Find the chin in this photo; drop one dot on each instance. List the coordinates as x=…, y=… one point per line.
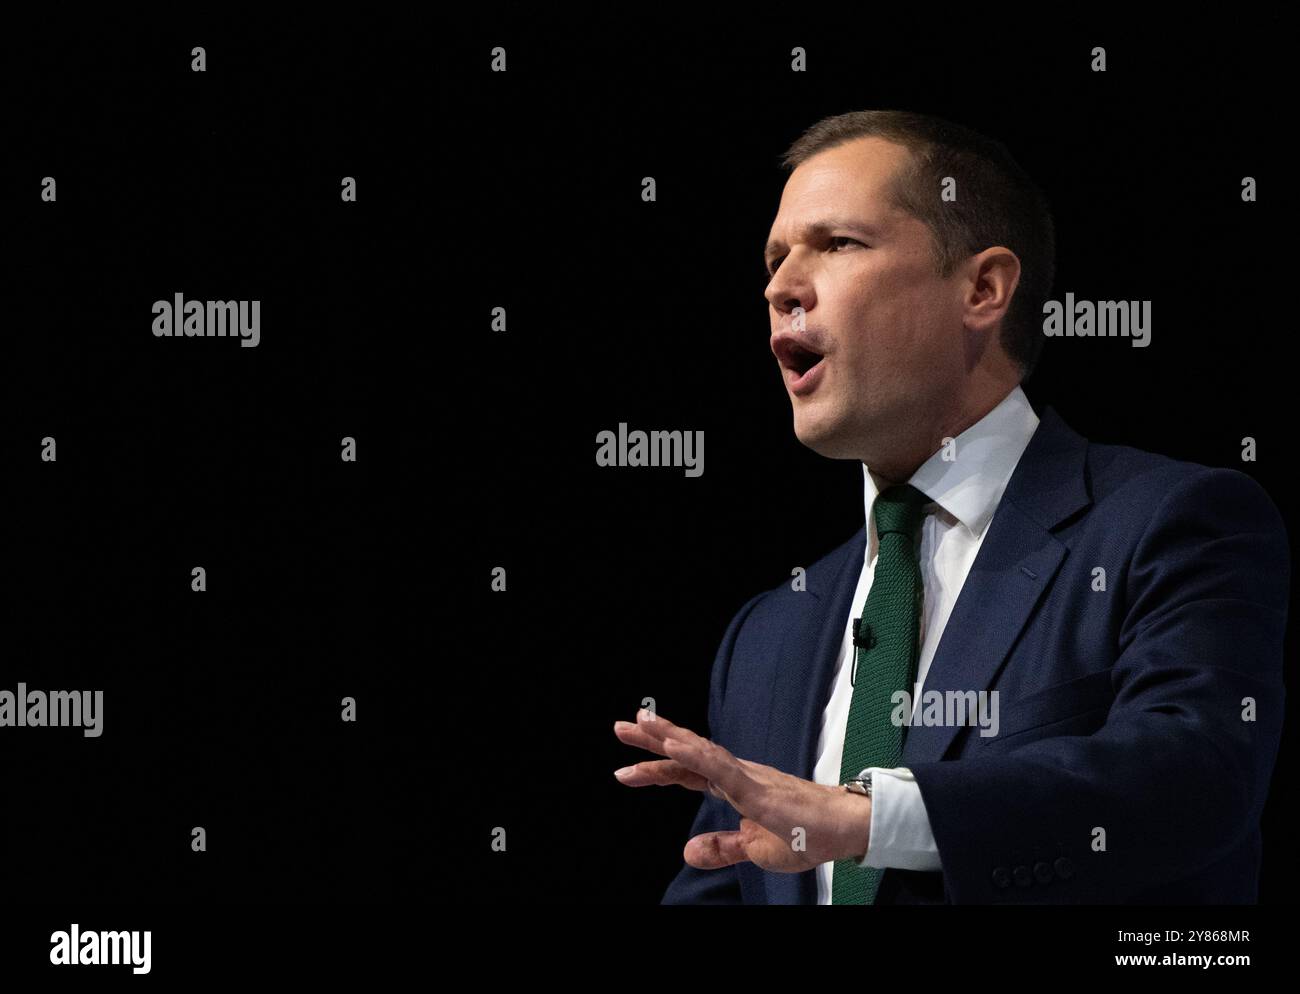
x=822, y=438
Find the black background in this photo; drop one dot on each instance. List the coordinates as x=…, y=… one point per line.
x=476, y=449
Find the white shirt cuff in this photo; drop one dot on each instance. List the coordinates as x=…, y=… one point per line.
x=900, y=826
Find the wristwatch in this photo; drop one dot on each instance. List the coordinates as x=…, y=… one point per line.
x=858, y=785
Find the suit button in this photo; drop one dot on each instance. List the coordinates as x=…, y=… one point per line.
x=1064, y=868
x=1042, y=873
x=1002, y=877
x=1023, y=877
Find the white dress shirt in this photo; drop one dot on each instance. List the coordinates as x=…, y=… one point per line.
x=964, y=491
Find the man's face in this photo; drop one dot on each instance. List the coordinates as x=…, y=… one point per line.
x=888, y=327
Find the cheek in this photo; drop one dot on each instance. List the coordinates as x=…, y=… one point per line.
x=913, y=312
x=884, y=298
x=878, y=323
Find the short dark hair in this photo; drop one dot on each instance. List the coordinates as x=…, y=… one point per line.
x=997, y=204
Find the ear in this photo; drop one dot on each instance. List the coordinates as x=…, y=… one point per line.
x=992, y=278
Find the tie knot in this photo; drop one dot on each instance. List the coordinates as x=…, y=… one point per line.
x=898, y=509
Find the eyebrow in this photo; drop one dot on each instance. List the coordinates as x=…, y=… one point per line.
x=815, y=228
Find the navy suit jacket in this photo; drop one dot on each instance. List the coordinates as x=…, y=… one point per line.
x=1126, y=769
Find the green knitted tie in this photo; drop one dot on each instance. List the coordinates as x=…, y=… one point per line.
x=884, y=663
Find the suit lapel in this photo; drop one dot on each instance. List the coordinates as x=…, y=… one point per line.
x=1015, y=565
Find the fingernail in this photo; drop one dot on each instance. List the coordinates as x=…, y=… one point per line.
x=624, y=772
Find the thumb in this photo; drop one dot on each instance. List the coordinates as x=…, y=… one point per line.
x=714, y=850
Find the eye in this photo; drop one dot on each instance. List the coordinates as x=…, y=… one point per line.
x=776, y=263
x=845, y=238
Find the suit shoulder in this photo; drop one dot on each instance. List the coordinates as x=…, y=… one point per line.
x=1139, y=493
x=1132, y=473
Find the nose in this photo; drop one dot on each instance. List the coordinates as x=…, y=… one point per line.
x=789, y=289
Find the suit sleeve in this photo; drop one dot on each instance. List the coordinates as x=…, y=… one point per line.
x=1178, y=774
x=721, y=886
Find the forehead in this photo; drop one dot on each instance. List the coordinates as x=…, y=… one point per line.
x=849, y=181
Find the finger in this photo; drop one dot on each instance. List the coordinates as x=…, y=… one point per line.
x=659, y=728
x=633, y=735
x=713, y=763
x=661, y=772
x=714, y=850
x=710, y=760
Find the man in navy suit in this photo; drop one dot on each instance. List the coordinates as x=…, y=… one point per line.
x=1118, y=616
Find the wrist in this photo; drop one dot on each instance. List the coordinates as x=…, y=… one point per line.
x=858, y=821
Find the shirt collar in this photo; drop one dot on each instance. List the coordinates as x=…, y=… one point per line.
x=969, y=486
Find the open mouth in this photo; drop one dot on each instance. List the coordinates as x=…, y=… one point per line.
x=801, y=360
x=801, y=365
